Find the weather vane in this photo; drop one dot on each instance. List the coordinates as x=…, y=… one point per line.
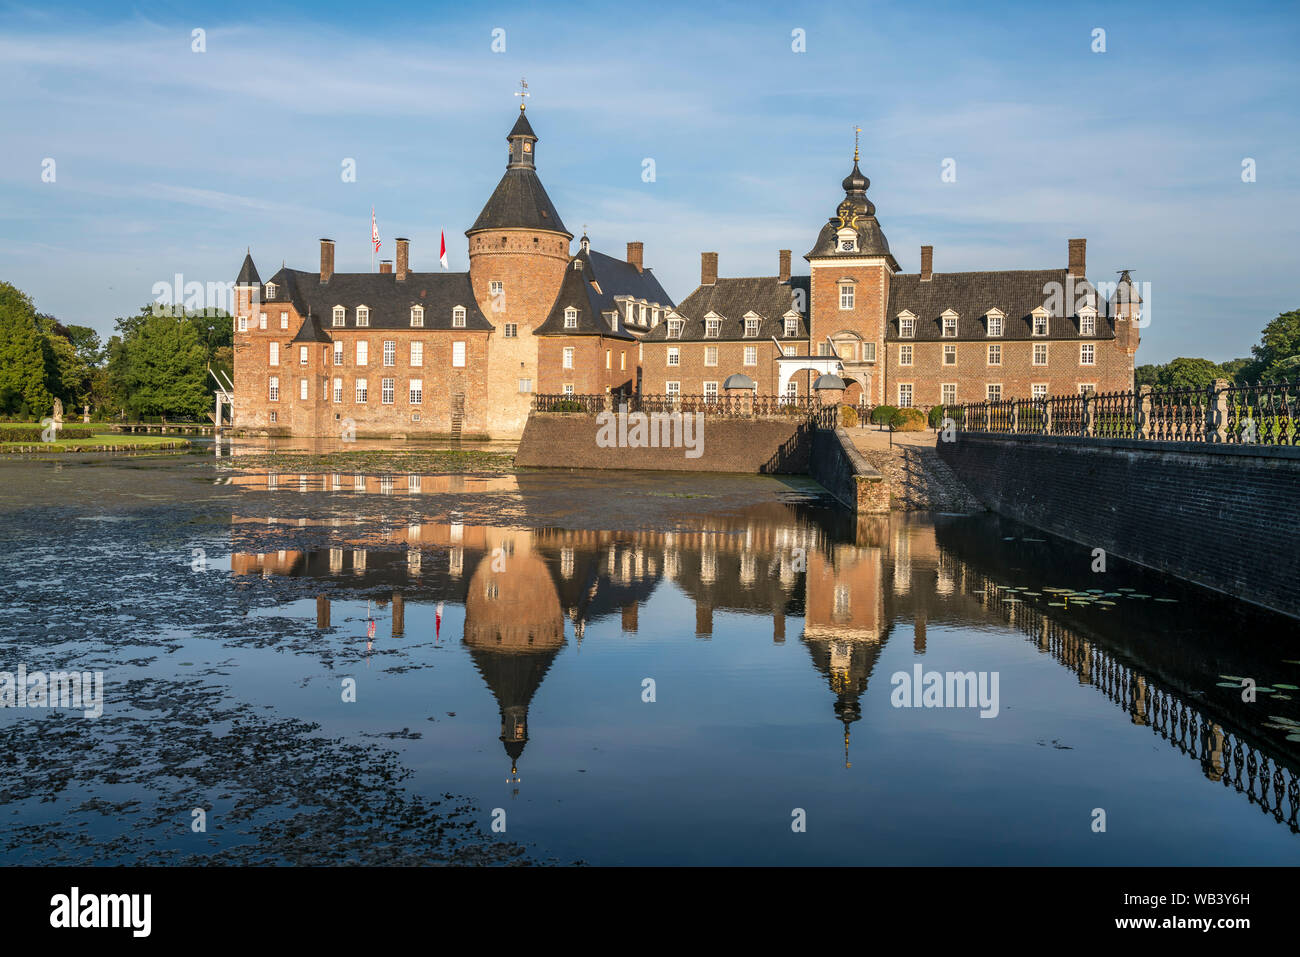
x=522, y=92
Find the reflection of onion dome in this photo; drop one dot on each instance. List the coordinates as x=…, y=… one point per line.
x=847, y=665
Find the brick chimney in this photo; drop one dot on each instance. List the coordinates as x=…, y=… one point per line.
x=708, y=269
x=385, y=265
x=403, y=258
x=326, y=260
x=927, y=263
x=1078, y=265
x=785, y=265
x=634, y=253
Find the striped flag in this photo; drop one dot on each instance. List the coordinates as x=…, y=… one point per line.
x=374, y=229
x=442, y=254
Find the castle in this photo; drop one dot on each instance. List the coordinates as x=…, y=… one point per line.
x=406, y=353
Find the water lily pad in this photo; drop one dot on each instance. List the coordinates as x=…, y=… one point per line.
x=1096, y=591
x=1172, y=601
x=1293, y=737
x=1226, y=684
x=1126, y=589
x=1278, y=684
x=1236, y=678
x=1281, y=697
x=1056, y=604
x=1104, y=602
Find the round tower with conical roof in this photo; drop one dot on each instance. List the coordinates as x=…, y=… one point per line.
x=518, y=250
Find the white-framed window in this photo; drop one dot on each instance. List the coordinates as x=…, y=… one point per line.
x=570, y=318
x=363, y=316
x=417, y=353
x=643, y=315
x=510, y=330
x=568, y=388
x=362, y=390
x=995, y=354
x=302, y=389
x=270, y=290
x=674, y=328
x=338, y=390
x=340, y=316
x=751, y=326
x=417, y=316
x=710, y=355
x=284, y=321
x=1040, y=354
x=1040, y=324
x=458, y=354
x=622, y=362
x=904, y=395
x=950, y=355
x=906, y=327
x=949, y=327
x=458, y=316
x=710, y=392
x=1087, y=325
x=674, y=356
x=905, y=355
x=791, y=327
x=416, y=391
x=390, y=352
x=363, y=352
x=823, y=348
x=790, y=350
x=338, y=353
x=273, y=389
x=654, y=318
x=993, y=391
x=275, y=354
x=609, y=358
x=1038, y=390
x=273, y=420
x=712, y=327
x=751, y=355
x=525, y=385
x=243, y=323
x=868, y=352
x=846, y=295
x=1087, y=388
x=386, y=391
x=261, y=320
x=995, y=324
x=568, y=358
x=497, y=293
x=672, y=388
x=948, y=393
x=1087, y=354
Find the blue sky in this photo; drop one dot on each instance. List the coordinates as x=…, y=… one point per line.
x=169, y=161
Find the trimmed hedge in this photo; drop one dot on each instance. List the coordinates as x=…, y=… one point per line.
x=33, y=433
x=937, y=413
x=848, y=416
x=882, y=414
x=907, y=420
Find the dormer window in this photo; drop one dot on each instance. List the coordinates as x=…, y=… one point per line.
x=1087, y=322
x=571, y=318
x=270, y=290
x=1040, y=322
x=994, y=317
x=340, y=315
x=791, y=327
x=654, y=318
x=643, y=315
x=906, y=325
x=949, y=324
x=577, y=265
x=458, y=317
x=363, y=316
x=417, y=316
x=674, y=328
x=712, y=326
x=751, y=326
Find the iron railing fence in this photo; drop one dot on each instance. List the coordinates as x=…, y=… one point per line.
x=1266, y=413
x=738, y=406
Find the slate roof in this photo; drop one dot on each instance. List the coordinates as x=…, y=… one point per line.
x=618, y=277
x=521, y=128
x=767, y=296
x=390, y=301
x=310, y=331
x=519, y=201
x=248, y=273
x=595, y=310
x=972, y=294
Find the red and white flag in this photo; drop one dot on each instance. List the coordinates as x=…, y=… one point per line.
x=442, y=253
x=374, y=229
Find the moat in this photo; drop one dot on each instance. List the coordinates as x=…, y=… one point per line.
x=626, y=668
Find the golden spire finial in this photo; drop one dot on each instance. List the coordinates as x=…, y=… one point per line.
x=856, y=131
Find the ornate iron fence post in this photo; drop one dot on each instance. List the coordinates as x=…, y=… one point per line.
x=1217, y=424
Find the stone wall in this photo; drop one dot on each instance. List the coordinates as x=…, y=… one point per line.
x=1223, y=516
x=768, y=446
x=839, y=467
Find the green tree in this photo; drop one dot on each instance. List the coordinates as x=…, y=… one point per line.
x=1185, y=373
x=163, y=368
x=1278, y=349
x=25, y=355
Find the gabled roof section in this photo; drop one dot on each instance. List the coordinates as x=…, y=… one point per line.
x=593, y=308
x=310, y=331
x=389, y=301
x=617, y=277
x=1015, y=293
x=731, y=299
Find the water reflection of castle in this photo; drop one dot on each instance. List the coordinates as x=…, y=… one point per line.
x=851, y=585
